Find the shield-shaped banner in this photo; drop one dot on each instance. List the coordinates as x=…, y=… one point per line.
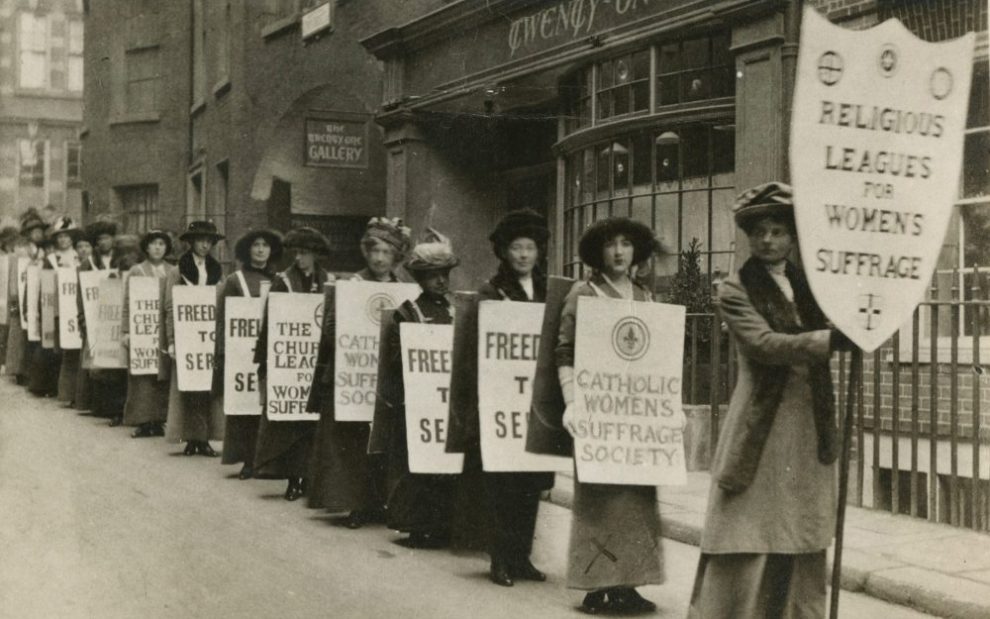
x=876, y=149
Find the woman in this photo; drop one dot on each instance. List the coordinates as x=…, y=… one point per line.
x=78, y=385
x=284, y=446
x=31, y=232
x=771, y=511
x=110, y=385
x=627, y=516
x=56, y=247
x=192, y=415
x=257, y=252
x=147, y=396
x=65, y=234
x=101, y=236
x=420, y=505
x=345, y=478
x=8, y=238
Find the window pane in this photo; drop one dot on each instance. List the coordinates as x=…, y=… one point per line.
x=723, y=82
x=667, y=160
x=668, y=90
x=979, y=97
x=720, y=49
x=694, y=151
x=620, y=168
x=723, y=155
x=976, y=234
x=33, y=70
x=75, y=83
x=696, y=85
x=623, y=72
x=641, y=64
x=75, y=37
x=670, y=58
x=642, y=145
x=695, y=53
x=621, y=100
x=605, y=75
x=603, y=171
x=641, y=96
x=976, y=168
x=589, y=176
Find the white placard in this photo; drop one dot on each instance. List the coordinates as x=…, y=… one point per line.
x=426, y=355
x=876, y=151
x=89, y=290
x=629, y=423
x=22, y=267
x=48, y=304
x=242, y=318
x=194, y=315
x=358, y=307
x=144, y=313
x=33, y=291
x=508, y=342
x=108, y=350
x=5, y=288
x=295, y=321
x=67, y=280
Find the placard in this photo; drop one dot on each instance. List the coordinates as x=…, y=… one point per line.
x=108, y=350
x=242, y=317
x=426, y=355
x=33, y=302
x=49, y=303
x=144, y=313
x=876, y=151
x=194, y=316
x=628, y=419
x=358, y=307
x=295, y=321
x=5, y=288
x=67, y=280
x=508, y=342
x=89, y=290
x=22, y=267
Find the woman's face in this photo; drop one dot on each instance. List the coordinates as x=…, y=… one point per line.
x=435, y=282
x=305, y=259
x=261, y=251
x=770, y=241
x=84, y=249
x=63, y=241
x=522, y=255
x=37, y=235
x=156, y=250
x=380, y=257
x=104, y=243
x=201, y=246
x=617, y=256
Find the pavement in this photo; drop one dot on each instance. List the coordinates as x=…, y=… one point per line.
x=938, y=569
x=96, y=525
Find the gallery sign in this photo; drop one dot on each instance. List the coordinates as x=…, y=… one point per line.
x=336, y=143
x=876, y=150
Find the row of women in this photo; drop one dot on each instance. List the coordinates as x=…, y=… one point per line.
x=770, y=511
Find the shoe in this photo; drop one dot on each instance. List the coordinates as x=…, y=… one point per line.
x=628, y=600
x=524, y=570
x=206, y=450
x=355, y=520
x=190, y=449
x=158, y=429
x=294, y=491
x=143, y=431
x=594, y=603
x=246, y=472
x=500, y=573
x=116, y=421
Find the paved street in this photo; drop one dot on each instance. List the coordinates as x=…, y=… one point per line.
x=98, y=525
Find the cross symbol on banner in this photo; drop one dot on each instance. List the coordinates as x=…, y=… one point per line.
x=630, y=339
x=869, y=307
x=380, y=304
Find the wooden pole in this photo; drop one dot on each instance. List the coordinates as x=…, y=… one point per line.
x=855, y=373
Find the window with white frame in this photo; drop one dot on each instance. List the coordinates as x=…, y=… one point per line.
x=73, y=163
x=74, y=56
x=33, y=162
x=32, y=42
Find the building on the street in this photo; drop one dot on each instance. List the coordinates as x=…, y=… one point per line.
x=41, y=103
x=244, y=112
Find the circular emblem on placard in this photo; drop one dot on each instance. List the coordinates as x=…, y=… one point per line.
x=630, y=338
x=941, y=83
x=318, y=316
x=377, y=303
x=889, y=60
x=830, y=67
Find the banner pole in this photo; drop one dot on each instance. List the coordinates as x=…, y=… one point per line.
x=855, y=373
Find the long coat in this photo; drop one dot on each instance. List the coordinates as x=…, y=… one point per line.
x=623, y=520
x=147, y=394
x=789, y=507
x=283, y=447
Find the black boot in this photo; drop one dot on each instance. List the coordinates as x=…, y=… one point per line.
x=205, y=450
x=500, y=574
x=523, y=569
x=628, y=600
x=294, y=490
x=594, y=603
x=190, y=449
x=246, y=472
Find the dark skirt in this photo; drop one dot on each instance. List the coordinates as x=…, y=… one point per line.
x=108, y=392
x=16, y=344
x=343, y=476
x=68, y=376
x=759, y=585
x=147, y=400
x=240, y=438
x=43, y=378
x=192, y=415
x=3, y=343
x=283, y=449
x=83, y=397
x=615, y=537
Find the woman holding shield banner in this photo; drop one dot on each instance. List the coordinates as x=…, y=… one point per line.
x=345, y=477
x=257, y=251
x=284, y=446
x=147, y=396
x=615, y=531
x=771, y=507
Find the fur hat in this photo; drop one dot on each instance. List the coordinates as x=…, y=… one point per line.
x=594, y=238
x=242, y=249
x=308, y=239
x=769, y=199
x=200, y=228
x=390, y=231
x=521, y=223
x=100, y=228
x=151, y=235
x=64, y=225
x=434, y=254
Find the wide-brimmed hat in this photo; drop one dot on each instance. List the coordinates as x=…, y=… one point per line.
x=599, y=233
x=521, y=223
x=308, y=239
x=151, y=235
x=435, y=253
x=390, y=231
x=242, y=249
x=200, y=228
x=769, y=199
x=64, y=225
x=100, y=228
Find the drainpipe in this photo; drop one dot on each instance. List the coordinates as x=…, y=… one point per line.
x=788, y=58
